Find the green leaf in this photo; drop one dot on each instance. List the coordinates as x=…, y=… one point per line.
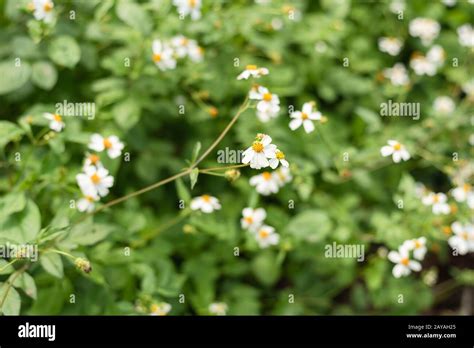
x=134, y=15
x=12, y=302
x=265, y=268
x=196, y=150
x=88, y=233
x=27, y=284
x=13, y=77
x=4, y=269
x=12, y=203
x=194, y=177
x=310, y=226
x=183, y=192
x=8, y=132
x=23, y=226
x=52, y=264
x=127, y=113
x=44, y=75
x=64, y=51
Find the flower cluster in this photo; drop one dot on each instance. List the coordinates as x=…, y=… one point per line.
x=429, y=64
x=426, y=29
x=305, y=117
x=166, y=53
x=190, y=8
x=404, y=264
x=267, y=183
x=253, y=221
x=43, y=10
x=264, y=154
x=463, y=239
x=205, y=203
x=95, y=180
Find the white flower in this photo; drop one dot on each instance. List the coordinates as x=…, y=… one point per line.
x=397, y=75
x=56, y=121
x=86, y=203
x=205, y=203
x=218, y=308
x=163, y=55
x=266, y=236
x=95, y=181
x=92, y=160
x=436, y=55
x=112, y=144
x=259, y=153
x=438, y=201
x=43, y=10
x=397, y=6
x=282, y=176
x=463, y=239
x=252, y=71
x=425, y=28
x=189, y=7
x=420, y=190
x=396, y=150
x=390, y=45
x=468, y=87
x=279, y=159
x=186, y=47
x=252, y=218
x=265, y=183
x=423, y=66
x=443, y=105
x=418, y=246
x=160, y=309
x=466, y=35
x=305, y=117
x=449, y=3
x=195, y=52
x=268, y=105
x=404, y=265
x=464, y=193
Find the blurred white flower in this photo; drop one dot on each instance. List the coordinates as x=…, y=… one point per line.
x=42, y=10
x=268, y=104
x=397, y=6
x=189, y=7
x=252, y=71
x=449, y=3
x=218, y=308
x=466, y=35
x=252, y=219
x=111, y=144
x=404, y=265
x=205, y=203
x=160, y=309
x=163, y=55
x=260, y=152
x=279, y=159
x=443, y=105
x=438, y=201
x=436, y=55
x=426, y=29
x=95, y=181
x=396, y=150
x=305, y=117
x=390, y=45
x=423, y=66
x=266, y=236
x=463, y=239
x=265, y=183
x=282, y=176
x=397, y=75
x=418, y=246
x=86, y=203
x=56, y=121
x=464, y=193
x=468, y=87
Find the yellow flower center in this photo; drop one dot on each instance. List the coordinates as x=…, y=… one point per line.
x=405, y=261
x=417, y=244
x=397, y=146
x=251, y=67
x=467, y=187
x=107, y=143
x=184, y=41
x=435, y=199
x=57, y=118
x=192, y=3
x=447, y=230
x=257, y=146
x=89, y=198
x=95, y=178
x=263, y=234
x=280, y=155
x=266, y=176
x=156, y=57
x=94, y=159
x=267, y=97
x=464, y=235
x=248, y=219
x=206, y=198
x=47, y=7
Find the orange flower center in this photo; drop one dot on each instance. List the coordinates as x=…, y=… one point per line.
x=404, y=261
x=95, y=178
x=464, y=235
x=280, y=155
x=263, y=234
x=57, y=118
x=248, y=219
x=251, y=67
x=467, y=187
x=435, y=199
x=107, y=143
x=47, y=7
x=89, y=198
x=397, y=146
x=206, y=198
x=267, y=97
x=156, y=57
x=266, y=176
x=94, y=159
x=257, y=146
x=184, y=41
x=304, y=116
x=447, y=230
x=417, y=244
x=192, y=3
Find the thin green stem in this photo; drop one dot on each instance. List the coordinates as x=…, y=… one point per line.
x=8, y=264
x=9, y=283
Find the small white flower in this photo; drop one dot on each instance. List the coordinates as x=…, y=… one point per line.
x=418, y=246
x=218, y=308
x=466, y=35
x=390, y=45
x=265, y=183
x=189, y=7
x=186, y=47
x=43, y=10
x=438, y=201
x=305, y=117
x=160, y=309
x=279, y=159
x=258, y=154
x=195, y=52
x=425, y=28
x=443, y=105
x=404, y=265
x=449, y=3
x=397, y=6
x=397, y=75
x=163, y=55
x=266, y=236
x=464, y=193
x=56, y=121
x=268, y=105
x=92, y=160
x=436, y=55
x=112, y=144
x=205, y=203
x=252, y=219
x=423, y=66
x=282, y=176
x=95, y=181
x=396, y=150
x=252, y=71
x=86, y=203
x=463, y=239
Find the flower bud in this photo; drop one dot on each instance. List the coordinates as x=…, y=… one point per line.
x=83, y=265
x=232, y=174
